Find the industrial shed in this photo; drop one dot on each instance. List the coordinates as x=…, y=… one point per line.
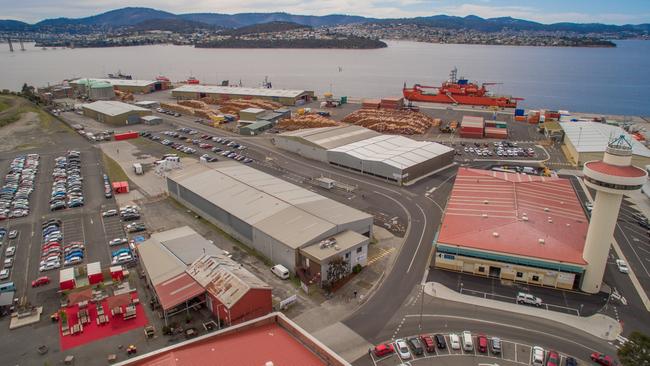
x=394, y=158
x=313, y=143
x=586, y=141
x=270, y=215
x=131, y=86
x=283, y=96
x=115, y=113
x=234, y=295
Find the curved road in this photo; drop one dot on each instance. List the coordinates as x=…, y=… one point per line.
x=378, y=317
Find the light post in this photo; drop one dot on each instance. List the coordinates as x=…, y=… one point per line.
x=421, y=305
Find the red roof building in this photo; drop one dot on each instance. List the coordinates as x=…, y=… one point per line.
x=514, y=226
x=270, y=340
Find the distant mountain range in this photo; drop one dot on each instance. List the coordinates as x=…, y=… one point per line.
x=146, y=18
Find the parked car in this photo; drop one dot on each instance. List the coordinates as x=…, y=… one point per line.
x=10, y=251
x=553, y=359
x=622, y=266
x=495, y=345
x=4, y=274
x=109, y=213
x=43, y=280
x=402, y=349
x=538, y=356
x=416, y=346
x=13, y=234
x=118, y=241
x=528, y=299
x=454, y=341
x=603, y=359
x=570, y=361
x=427, y=341
x=440, y=341
x=482, y=343
x=382, y=350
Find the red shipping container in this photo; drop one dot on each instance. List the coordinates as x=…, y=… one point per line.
x=126, y=135
x=471, y=135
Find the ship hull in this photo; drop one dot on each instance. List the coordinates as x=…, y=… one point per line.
x=417, y=96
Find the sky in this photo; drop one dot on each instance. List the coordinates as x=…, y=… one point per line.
x=544, y=11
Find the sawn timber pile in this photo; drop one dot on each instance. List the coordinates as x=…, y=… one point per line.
x=403, y=122
x=306, y=121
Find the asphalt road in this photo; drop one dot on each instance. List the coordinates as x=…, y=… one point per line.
x=387, y=308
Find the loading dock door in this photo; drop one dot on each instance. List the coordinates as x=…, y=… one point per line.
x=495, y=272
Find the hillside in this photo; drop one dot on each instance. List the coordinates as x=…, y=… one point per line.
x=172, y=25
x=271, y=27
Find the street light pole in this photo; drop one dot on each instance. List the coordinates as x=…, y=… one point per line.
x=421, y=305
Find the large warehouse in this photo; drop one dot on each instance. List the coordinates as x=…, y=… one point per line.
x=586, y=141
x=283, y=96
x=393, y=158
x=272, y=216
x=131, y=86
x=515, y=227
x=116, y=113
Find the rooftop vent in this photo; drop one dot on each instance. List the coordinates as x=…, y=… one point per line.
x=567, y=224
x=337, y=248
x=525, y=218
x=485, y=215
x=550, y=220
x=486, y=201
x=561, y=202
x=541, y=241
x=495, y=234
x=546, y=209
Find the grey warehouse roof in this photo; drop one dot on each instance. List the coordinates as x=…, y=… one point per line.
x=261, y=92
x=594, y=137
x=332, y=137
x=117, y=82
x=286, y=212
x=113, y=108
x=397, y=151
x=344, y=241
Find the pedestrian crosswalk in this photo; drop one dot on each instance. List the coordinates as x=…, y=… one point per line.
x=381, y=254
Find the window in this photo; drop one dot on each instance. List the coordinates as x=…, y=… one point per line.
x=359, y=249
x=481, y=269
x=536, y=278
x=520, y=274
x=347, y=255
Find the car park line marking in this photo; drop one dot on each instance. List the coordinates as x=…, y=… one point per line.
x=633, y=250
x=424, y=227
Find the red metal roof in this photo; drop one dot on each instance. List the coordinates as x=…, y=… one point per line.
x=177, y=289
x=254, y=346
x=619, y=171
x=483, y=203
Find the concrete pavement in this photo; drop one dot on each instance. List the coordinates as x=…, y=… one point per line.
x=598, y=325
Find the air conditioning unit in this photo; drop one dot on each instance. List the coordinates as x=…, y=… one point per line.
x=495, y=234
x=541, y=241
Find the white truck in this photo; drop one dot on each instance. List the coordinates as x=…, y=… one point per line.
x=137, y=167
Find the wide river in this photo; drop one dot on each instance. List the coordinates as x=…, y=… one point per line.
x=600, y=80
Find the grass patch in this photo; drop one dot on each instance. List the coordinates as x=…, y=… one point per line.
x=113, y=169
x=3, y=105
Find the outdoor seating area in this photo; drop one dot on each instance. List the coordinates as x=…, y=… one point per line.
x=88, y=321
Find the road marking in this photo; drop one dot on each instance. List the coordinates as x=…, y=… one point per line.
x=633, y=250
x=421, y=238
x=563, y=338
x=382, y=254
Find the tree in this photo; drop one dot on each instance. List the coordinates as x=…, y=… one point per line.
x=636, y=351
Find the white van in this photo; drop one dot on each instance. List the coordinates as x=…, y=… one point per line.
x=468, y=343
x=280, y=271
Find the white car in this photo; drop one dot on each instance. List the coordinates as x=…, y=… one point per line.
x=537, y=356
x=12, y=250
x=118, y=241
x=9, y=262
x=622, y=266
x=454, y=341
x=402, y=349
x=4, y=274
x=50, y=266
x=122, y=258
x=109, y=213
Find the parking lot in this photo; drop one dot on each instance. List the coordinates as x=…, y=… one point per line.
x=512, y=353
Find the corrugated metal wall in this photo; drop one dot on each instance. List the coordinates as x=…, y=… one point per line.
x=305, y=150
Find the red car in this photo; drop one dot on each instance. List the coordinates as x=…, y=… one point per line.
x=553, y=359
x=482, y=343
x=41, y=281
x=427, y=341
x=383, y=350
x=603, y=359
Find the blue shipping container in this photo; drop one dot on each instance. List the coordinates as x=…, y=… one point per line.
x=519, y=112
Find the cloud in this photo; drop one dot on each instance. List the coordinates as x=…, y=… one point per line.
x=35, y=10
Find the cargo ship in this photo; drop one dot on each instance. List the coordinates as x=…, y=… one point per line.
x=458, y=91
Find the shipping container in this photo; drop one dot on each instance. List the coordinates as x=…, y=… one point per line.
x=472, y=135
x=126, y=135
x=520, y=118
x=519, y=112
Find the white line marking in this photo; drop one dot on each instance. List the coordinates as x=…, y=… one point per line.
x=424, y=228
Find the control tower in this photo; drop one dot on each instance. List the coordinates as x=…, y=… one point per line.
x=612, y=177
